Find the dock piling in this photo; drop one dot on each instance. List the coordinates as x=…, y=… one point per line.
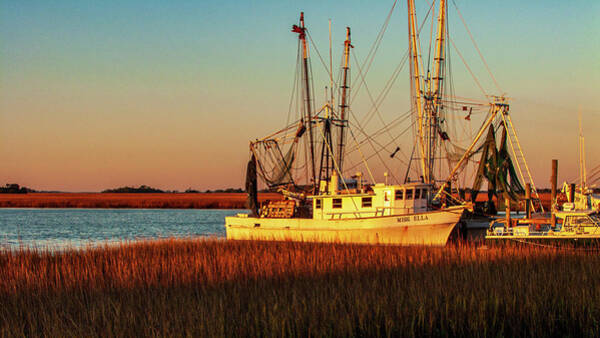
x=572, y=193
x=528, y=200
x=554, y=180
x=508, y=220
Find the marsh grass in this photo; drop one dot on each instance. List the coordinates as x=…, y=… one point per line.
x=150, y=200
x=133, y=200
x=236, y=288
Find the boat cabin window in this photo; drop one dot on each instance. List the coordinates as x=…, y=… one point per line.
x=417, y=194
x=399, y=194
x=580, y=220
x=336, y=203
x=409, y=194
x=318, y=203
x=367, y=202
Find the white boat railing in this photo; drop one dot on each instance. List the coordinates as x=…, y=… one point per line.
x=576, y=225
x=379, y=211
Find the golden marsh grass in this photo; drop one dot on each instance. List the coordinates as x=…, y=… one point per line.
x=228, y=288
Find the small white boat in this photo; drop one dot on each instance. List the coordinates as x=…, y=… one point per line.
x=571, y=225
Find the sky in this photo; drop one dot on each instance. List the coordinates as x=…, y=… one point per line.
x=102, y=94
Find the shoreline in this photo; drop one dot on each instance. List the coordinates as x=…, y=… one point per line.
x=131, y=200
x=69, y=200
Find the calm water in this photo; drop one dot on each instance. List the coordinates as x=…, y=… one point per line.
x=62, y=228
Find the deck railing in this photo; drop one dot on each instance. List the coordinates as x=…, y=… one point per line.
x=379, y=211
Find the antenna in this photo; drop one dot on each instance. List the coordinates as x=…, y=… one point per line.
x=330, y=67
x=582, y=169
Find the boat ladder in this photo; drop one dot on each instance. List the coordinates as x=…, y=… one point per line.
x=517, y=153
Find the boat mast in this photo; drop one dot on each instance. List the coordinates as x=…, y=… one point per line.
x=436, y=96
x=301, y=30
x=416, y=83
x=344, y=103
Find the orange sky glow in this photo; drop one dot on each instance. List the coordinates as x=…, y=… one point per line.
x=170, y=100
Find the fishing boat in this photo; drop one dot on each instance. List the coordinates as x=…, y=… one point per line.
x=380, y=214
x=576, y=220
x=323, y=201
x=582, y=197
x=571, y=225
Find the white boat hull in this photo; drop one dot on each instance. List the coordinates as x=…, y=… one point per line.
x=427, y=228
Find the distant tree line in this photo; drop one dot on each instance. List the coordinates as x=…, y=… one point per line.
x=228, y=190
x=13, y=188
x=147, y=189
x=130, y=190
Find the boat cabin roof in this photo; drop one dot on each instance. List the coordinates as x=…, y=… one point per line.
x=587, y=212
x=373, y=189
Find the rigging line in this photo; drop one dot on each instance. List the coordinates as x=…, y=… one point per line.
x=468, y=68
x=432, y=11
x=394, y=122
x=377, y=41
x=375, y=106
x=430, y=36
x=319, y=54
x=592, y=173
x=512, y=128
x=289, y=127
x=330, y=94
x=450, y=110
x=464, y=101
x=385, y=91
x=383, y=147
x=362, y=155
x=295, y=86
x=397, y=121
x=374, y=47
x=376, y=152
x=476, y=47
x=378, y=155
x=380, y=99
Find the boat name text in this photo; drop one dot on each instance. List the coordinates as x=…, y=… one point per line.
x=414, y=218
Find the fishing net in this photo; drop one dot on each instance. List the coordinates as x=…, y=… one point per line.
x=496, y=166
x=274, y=167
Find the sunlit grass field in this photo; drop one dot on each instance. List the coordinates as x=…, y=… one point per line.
x=214, y=287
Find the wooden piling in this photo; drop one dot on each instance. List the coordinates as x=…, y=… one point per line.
x=554, y=180
x=507, y=209
x=528, y=200
x=572, y=193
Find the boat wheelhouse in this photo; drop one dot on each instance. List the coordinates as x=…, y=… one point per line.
x=379, y=200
